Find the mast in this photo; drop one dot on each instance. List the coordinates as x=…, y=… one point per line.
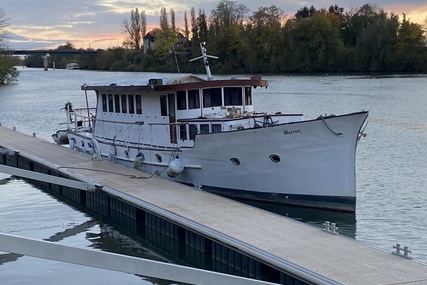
x=205, y=57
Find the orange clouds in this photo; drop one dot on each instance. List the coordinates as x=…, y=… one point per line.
x=416, y=13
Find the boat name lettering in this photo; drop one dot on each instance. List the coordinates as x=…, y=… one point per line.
x=292, y=132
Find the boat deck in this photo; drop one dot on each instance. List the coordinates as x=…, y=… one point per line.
x=286, y=242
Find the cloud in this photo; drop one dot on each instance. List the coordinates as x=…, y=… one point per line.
x=99, y=21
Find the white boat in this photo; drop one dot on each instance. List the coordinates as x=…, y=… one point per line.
x=206, y=133
x=72, y=65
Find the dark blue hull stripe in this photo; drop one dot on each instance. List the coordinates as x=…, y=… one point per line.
x=345, y=204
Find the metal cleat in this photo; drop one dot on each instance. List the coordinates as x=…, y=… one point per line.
x=330, y=228
x=399, y=250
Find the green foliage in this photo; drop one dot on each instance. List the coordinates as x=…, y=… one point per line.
x=365, y=39
x=317, y=42
x=8, y=72
x=164, y=43
x=410, y=49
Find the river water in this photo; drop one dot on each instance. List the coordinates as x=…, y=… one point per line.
x=391, y=168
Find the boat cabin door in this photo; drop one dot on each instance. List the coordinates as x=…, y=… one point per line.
x=172, y=118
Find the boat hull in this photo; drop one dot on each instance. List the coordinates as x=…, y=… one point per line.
x=308, y=163
x=336, y=203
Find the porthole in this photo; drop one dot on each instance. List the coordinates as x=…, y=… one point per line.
x=159, y=158
x=235, y=161
x=275, y=158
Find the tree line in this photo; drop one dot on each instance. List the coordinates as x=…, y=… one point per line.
x=326, y=40
x=8, y=70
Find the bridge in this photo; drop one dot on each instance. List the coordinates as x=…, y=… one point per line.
x=49, y=51
x=45, y=53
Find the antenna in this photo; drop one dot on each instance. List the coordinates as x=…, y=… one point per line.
x=205, y=57
x=176, y=61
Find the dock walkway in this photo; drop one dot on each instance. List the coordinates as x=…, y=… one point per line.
x=306, y=251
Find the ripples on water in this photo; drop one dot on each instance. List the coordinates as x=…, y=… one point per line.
x=391, y=160
x=26, y=211
x=391, y=165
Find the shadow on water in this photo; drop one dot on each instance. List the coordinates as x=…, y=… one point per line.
x=346, y=222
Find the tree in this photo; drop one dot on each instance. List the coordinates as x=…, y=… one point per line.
x=305, y=12
x=318, y=43
x=8, y=71
x=202, y=26
x=186, y=29
x=370, y=34
x=193, y=18
x=265, y=36
x=164, y=22
x=173, y=24
x=165, y=37
x=135, y=28
x=225, y=32
x=4, y=23
x=410, y=48
x=336, y=10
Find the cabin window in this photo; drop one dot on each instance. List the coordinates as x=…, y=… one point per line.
x=212, y=97
x=181, y=100
x=104, y=103
x=110, y=103
x=138, y=103
x=124, y=103
x=131, y=104
x=193, y=99
x=216, y=128
x=183, y=132
x=193, y=131
x=204, y=128
x=117, y=103
x=248, y=95
x=163, y=105
x=232, y=96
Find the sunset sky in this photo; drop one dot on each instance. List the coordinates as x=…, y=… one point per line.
x=97, y=23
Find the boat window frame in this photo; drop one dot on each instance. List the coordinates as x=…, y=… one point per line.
x=110, y=103
x=104, y=102
x=131, y=103
x=204, y=128
x=216, y=128
x=117, y=106
x=212, y=98
x=124, y=103
x=181, y=100
x=193, y=99
x=230, y=96
x=138, y=104
x=163, y=105
x=248, y=96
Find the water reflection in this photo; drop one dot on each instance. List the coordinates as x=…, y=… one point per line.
x=6, y=180
x=346, y=222
x=106, y=238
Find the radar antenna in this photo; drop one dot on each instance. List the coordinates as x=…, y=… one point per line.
x=205, y=57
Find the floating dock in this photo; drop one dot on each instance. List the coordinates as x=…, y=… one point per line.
x=253, y=242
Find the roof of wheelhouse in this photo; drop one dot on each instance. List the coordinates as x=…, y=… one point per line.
x=174, y=83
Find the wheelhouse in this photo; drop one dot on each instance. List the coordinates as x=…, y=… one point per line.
x=187, y=107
